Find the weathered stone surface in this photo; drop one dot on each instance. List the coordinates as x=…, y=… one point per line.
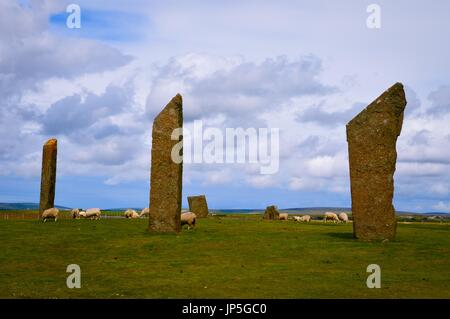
x=166, y=174
x=48, y=175
x=271, y=213
x=198, y=205
x=372, y=137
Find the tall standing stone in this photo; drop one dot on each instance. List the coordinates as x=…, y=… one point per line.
x=198, y=205
x=166, y=174
x=271, y=213
x=372, y=137
x=48, y=175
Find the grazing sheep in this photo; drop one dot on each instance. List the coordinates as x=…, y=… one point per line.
x=283, y=216
x=75, y=213
x=330, y=216
x=305, y=218
x=131, y=213
x=93, y=213
x=82, y=214
x=297, y=218
x=343, y=217
x=188, y=218
x=145, y=212
x=51, y=213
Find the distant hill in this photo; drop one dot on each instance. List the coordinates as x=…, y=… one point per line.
x=24, y=206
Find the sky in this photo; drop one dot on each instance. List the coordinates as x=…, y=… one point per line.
x=304, y=67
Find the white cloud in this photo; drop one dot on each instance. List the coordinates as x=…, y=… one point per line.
x=217, y=177
x=440, y=101
x=304, y=183
x=441, y=206
x=262, y=181
x=327, y=166
x=440, y=189
x=217, y=85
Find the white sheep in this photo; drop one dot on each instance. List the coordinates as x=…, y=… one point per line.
x=283, y=216
x=330, y=216
x=75, y=213
x=93, y=213
x=189, y=219
x=343, y=217
x=145, y=212
x=51, y=213
x=131, y=213
x=82, y=214
x=305, y=218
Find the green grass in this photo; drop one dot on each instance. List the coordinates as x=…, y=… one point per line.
x=224, y=257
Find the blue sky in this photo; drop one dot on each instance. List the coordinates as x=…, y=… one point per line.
x=306, y=67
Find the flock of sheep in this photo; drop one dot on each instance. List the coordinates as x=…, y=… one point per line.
x=187, y=218
x=52, y=213
x=342, y=217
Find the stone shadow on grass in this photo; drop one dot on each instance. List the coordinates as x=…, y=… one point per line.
x=345, y=236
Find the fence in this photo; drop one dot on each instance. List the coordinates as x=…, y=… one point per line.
x=6, y=215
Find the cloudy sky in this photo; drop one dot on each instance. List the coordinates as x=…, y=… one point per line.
x=305, y=67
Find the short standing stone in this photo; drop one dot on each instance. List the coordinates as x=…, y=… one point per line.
x=198, y=205
x=48, y=175
x=166, y=174
x=372, y=137
x=271, y=213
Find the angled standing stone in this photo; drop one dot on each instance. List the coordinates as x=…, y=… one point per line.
x=372, y=137
x=48, y=175
x=271, y=213
x=166, y=174
x=198, y=205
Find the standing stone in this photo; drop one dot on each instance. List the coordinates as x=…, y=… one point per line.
x=198, y=205
x=48, y=175
x=271, y=213
x=372, y=137
x=166, y=174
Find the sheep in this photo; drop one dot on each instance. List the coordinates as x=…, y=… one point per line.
x=131, y=213
x=93, y=213
x=331, y=216
x=297, y=218
x=50, y=213
x=75, y=213
x=189, y=219
x=305, y=218
x=82, y=214
x=343, y=217
x=145, y=212
x=283, y=216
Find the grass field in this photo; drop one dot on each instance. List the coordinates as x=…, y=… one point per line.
x=224, y=257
